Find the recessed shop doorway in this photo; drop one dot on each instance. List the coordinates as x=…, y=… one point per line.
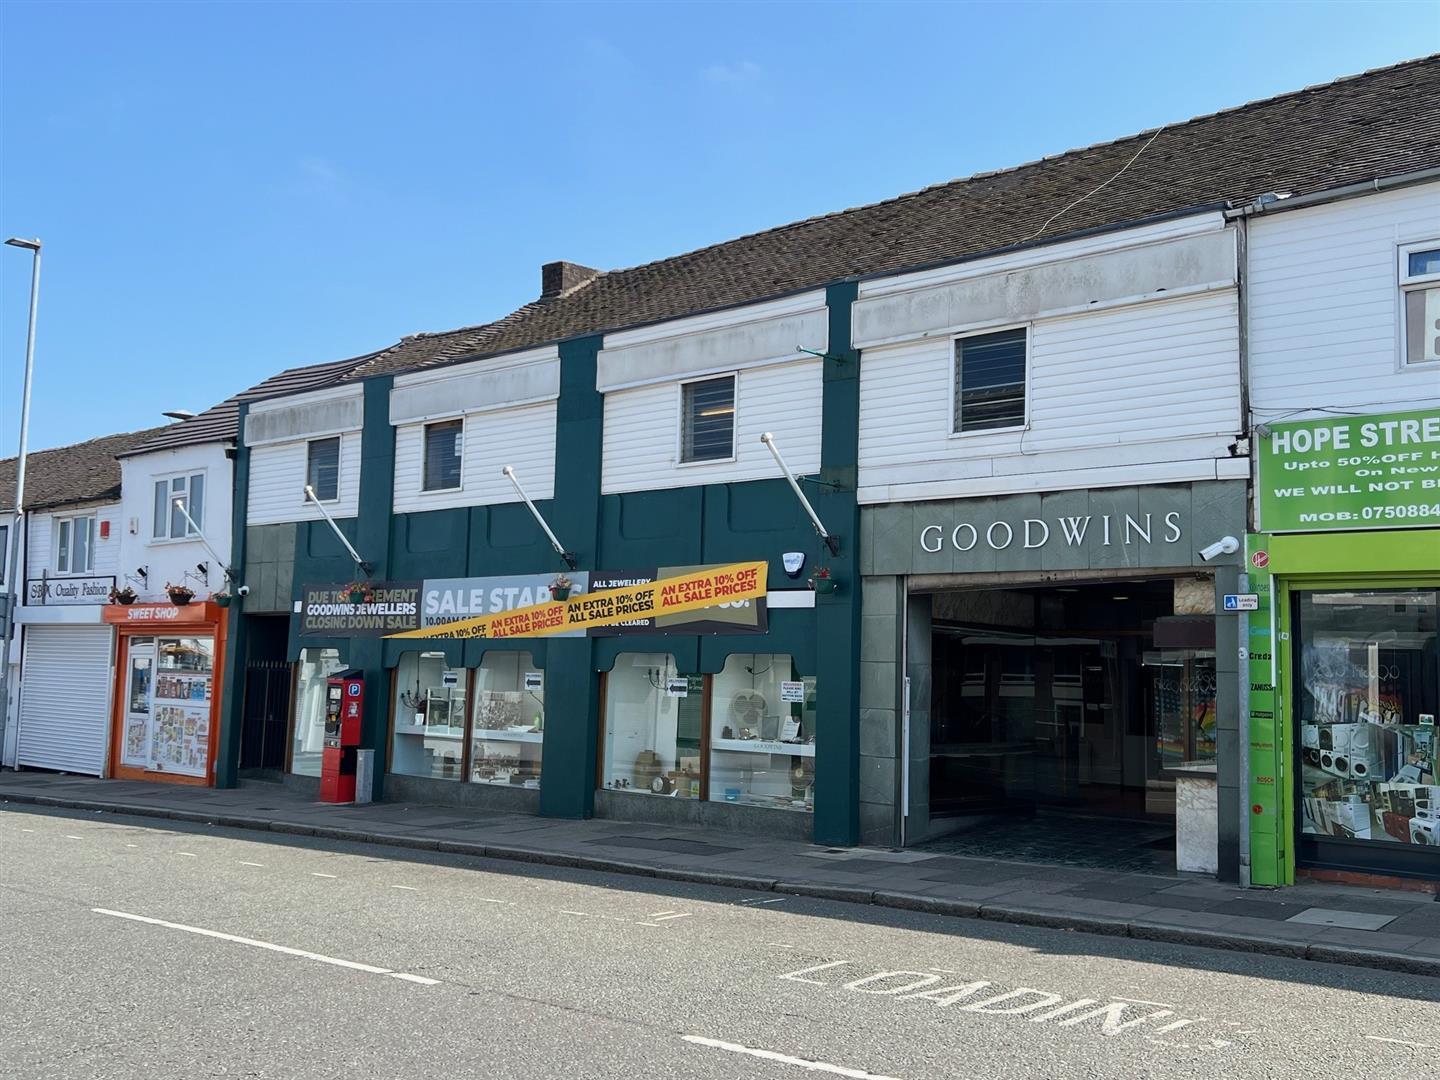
x=269, y=681
x=1071, y=702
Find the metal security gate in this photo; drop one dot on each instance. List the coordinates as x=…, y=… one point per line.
x=267, y=715
x=66, y=676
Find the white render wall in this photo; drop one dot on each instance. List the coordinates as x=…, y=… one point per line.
x=168, y=560
x=1323, y=306
x=277, y=482
x=642, y=430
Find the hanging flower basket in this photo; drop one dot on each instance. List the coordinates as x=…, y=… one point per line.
x=125, y=596
x=560, y=588
x=180, y=595
x=358, y=594
x=822, y=582
x=222, y=598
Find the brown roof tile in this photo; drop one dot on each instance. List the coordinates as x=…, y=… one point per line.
x=67, y=475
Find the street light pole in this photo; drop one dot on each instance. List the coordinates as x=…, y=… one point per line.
x=14, y=571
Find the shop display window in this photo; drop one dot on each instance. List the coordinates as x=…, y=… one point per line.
x=1181, y=691
x=653, y=722
x=168, y=699
x=508, y=725
x=762, y=733
x=316, y=667
x=1366, y=702
x=745, y=735
x=429, y=717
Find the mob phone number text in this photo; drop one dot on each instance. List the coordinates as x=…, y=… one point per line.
x=1378, y=513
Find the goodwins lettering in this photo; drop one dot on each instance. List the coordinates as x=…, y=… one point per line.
x=1104, y=530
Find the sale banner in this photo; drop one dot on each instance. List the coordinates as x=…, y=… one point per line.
x=712, y=587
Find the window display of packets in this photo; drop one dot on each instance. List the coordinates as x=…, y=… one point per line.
x=183, y=687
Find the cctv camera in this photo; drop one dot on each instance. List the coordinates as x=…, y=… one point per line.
x=243, y=590
x=1226, y=545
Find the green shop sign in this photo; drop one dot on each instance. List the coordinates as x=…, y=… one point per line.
x=1354, y=472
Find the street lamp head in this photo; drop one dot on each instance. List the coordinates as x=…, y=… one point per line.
x=28, y=245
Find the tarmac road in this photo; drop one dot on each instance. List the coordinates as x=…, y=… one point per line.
x=136, y=949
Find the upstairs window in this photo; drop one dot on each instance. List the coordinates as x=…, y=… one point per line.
x=75, y=545
x=444, y=445
x=171, y=494
x=4, y=551
x=707, y=420
x=1420, y=296
x=990, y=381
x=322, y=469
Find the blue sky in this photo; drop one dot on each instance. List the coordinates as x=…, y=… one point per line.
x=225, y=191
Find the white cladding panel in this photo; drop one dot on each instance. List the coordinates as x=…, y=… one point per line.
x=642, y=431
x=1147, y=393
x=523, y=437
x=277, y=482
x=507, y=382
x=319, y=412
x=1324, y=306
x=40, y=553
x=65, y=682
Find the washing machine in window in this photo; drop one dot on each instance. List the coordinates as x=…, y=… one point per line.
x=1424, y=832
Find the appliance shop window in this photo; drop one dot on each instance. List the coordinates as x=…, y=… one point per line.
x=429, y=717
x=75, y=545
x=308, y=750
x=444, y=448
x=762, y=733
x=508, y=730
x=1366, y=702
x=654, y=716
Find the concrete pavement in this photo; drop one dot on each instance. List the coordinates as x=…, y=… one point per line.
x=1338, y=924
x=147, y=948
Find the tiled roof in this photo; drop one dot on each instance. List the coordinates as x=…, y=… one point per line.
x=219, y=422
x=1381, y=123
x=66, y=475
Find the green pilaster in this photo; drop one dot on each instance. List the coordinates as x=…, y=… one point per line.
x=837, y=616
x=232, y=691
x=372, y=540
x=571, y=684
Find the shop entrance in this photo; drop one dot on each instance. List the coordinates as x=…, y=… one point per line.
x=268, y=682
x=1072, y=702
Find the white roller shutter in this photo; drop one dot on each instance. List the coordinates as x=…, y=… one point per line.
x=66, y=675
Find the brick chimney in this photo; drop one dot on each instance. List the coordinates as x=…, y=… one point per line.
x=559, y=278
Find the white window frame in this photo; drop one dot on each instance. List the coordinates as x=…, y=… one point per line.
x=955, y=340
x=70, y=520
x=170, y=495
x=5, y=528
x=680, y=461
x=425, y=449
x=1408, y=283
x=339, y=464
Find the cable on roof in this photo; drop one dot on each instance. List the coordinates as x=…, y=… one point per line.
x=1097, y=190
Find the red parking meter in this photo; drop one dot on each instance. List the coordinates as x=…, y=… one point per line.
x=344, y=708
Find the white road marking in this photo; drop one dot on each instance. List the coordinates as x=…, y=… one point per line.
x=487, y=900
x=777, y=900
x=314, y=873
x=1142, y=1001
x=188, y=854
x=261, y=865
x=27, y=830
x=785, y=1059
x=1402, y=1042
x=654, y=914
x=667, y=918
x=407, y=888
x=794, y=976
x=71, y=836
x=132, y=845
x=580, y=913
x=271, y=947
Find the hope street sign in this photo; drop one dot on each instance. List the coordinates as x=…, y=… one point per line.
x=1353, y=472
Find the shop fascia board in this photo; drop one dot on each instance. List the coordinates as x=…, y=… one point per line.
x=530, y=378
x=760, y=335
x=1162, y=270
x=1340, y=553
x=984, y=579
x=318, y=413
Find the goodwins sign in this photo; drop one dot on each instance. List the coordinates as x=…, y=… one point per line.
x=1157, y=525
